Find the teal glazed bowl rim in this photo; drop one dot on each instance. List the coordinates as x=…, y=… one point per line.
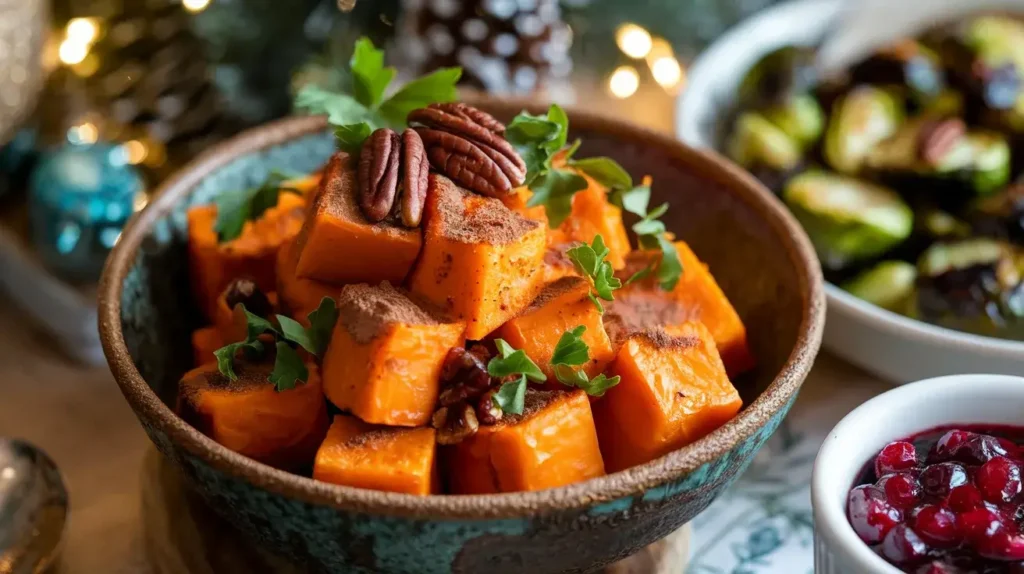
x=707, y=165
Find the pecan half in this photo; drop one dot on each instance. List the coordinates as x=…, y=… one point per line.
x=246, y=292
x=468, y=146
x=466, y=388
x=455, y=424
x=937, y=138
x=415, y=169
x=378, y=173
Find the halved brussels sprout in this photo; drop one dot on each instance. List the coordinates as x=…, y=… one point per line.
x=1001, y=216
x=889, y=284
x=985, y=56
x=862, y=119
x=976, y=285
x=968, y=164
x=847, y=219
x=907, y=64
x=800, y=117
x=777, y=76
x=763, y=148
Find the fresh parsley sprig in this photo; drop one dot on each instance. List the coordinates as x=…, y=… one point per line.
x=355, y=116
x=511, y=397
x=572, y=352
x=589, y=261
x=235, y=208
x=652, y=235
x=289, y=368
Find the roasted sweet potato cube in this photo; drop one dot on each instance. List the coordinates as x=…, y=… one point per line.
x=282, y=429
x=517, y=202
x=299, y=297
x=553, y=443
x=697, y=297
x=339, y=245
x=204, y=342
x=557, y=264
x=481, y=262
x=385, y=357
x=232, y=323
x=213, y=265
x=379, y=458
x=561, y=306
x=673, y=391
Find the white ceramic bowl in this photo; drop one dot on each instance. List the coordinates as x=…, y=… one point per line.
x=897, y=414
x=887, y=344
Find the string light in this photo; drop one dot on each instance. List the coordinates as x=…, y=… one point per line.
x=624, y=82
x=72, y=52
x=667, y=72
x=82, y=31
x=85, y=133
x=195, y=5
x=135, y=151
x=633, y=40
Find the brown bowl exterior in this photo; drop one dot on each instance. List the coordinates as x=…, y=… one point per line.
x=757, y=252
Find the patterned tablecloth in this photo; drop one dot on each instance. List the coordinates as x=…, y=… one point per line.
x=763, y=525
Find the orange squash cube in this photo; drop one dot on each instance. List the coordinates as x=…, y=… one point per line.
x=481, y=261
x=697, y=297
x=232, y=323
x=282, y=429
x=379, y=458
x=214, y=265
x=204, y=342
x=673, y=391
x=385, y=356
x=338, y=245
x=561, y=306
x=553, y=443
x=298, y=297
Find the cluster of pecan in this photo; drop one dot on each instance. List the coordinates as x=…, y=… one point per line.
x=939, y=137
x=467, y=395
x=393, y=172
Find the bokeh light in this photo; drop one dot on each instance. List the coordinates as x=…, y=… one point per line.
x=633, y=40
x=624, y=82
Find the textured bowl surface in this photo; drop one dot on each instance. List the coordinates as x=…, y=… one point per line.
x=889, y=345
x=761, y=258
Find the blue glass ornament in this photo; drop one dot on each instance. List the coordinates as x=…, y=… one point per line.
x=80, y=197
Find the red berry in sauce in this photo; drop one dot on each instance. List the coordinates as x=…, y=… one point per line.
x=939, y=479
x=948, y=444
x=936, y=525
x=901, y=489
x=937, y=567
x=903, y=546
x=979, y=449
x=871, y=514
x=895, y=456
x=964, y=498
x=1002, y=545
x=979, y=524
x=998, y=480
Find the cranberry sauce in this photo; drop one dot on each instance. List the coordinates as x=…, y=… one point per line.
x=946, y=501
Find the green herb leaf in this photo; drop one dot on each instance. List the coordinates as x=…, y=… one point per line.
x=597, y=386
x=569, y=376
x=350, y=137
x=292, y=330
x=670, y=268
x=605, y=282
x=571, y=150
x=321, y=324
x=235, y=208
x=554, y=190
x=340, y=109
x=511, y=397
x=605, y=171
x=438, y=86
x=571, y=349
x=289, y=369
x=634, y=200
x=648, y=227
x=557, y=115
x=513, y=362
x=533, y=137
x=589, y=261
x=226, y=356
x=256, y=326
x=370, y=76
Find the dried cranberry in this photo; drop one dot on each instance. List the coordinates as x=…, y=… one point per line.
x=895, y=456
x=901, y=489
x=964, y=498
x=936, y=525
x=903, y=546
x=948, y=444
x=1002, y=545
x=998, y=480
x=870, y=513
x=939, y=479
x=979, y=524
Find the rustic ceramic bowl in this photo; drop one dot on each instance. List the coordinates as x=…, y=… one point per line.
x=756, y=250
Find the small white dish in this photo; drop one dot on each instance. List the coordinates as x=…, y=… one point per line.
x=886, y=344
x=894, y=415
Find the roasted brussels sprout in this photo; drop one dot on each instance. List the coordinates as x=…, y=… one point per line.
x=941, y=160
x=906, y=64
x=889, y=284
x=800, y=117
x=848, y=220
x=985, y=57
x=862, y=119
x=1001, y=216
x=764, y=149
x=975, y=285
x=777, y=76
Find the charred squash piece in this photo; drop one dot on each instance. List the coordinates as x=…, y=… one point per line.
x=338, y=245
x=298, y=297
x=481, y=262
x=560, y=307
x=214, y=265
x=696, y=297
x=379, y=458
x=204, y=342
x=282, y=429
x=553, y=443
x=673, y=391
x=385, y=356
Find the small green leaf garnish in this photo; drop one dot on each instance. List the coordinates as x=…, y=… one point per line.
x=511, y=396
x=256, y=326
x=554, y=190
x=605, y=171
x=226, y=356
x=293, y=331
x=537, y=139
x=350, y=137
x=367, y=105
x=234, y=209
x=650, y=232
x=572, y=352
x=589, y=261
x=289, y=368
x=321, y=324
